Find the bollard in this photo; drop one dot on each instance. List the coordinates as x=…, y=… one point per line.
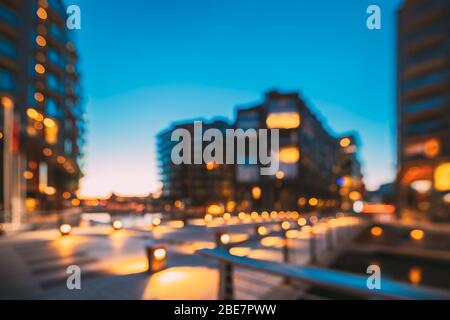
x=226, y=288
x=156, y=257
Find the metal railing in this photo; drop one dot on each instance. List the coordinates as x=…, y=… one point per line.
x=246, y=278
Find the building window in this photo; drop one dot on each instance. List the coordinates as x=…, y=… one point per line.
x=284, y=120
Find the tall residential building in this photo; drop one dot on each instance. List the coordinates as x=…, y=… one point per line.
x=41, y=116
x=423, y=112
x=309, y=159
x=193, y=188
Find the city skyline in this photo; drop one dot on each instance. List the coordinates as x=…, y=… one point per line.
x=185, y=71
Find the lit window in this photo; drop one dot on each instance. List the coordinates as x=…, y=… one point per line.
x=286, y=120
x=289, y=155
x=442, y=177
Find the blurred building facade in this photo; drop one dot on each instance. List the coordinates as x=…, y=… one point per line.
x=193, y=188
x=311, y=160
x=41, y=117
x=312, y=165
x=423, y=112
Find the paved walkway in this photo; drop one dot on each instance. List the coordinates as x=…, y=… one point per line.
x=33, y=264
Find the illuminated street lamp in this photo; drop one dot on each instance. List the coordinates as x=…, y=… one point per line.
x=261, y=231
x=65, y=229
x=117, y=225
x=156, y=257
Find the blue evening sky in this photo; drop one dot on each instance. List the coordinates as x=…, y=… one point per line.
x=148, y=63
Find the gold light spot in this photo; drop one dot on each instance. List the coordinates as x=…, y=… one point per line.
x=40, y=40
x=40, y=69
x=286, y=120
x=61, y=160
x=49, y=123
x=289, y=155
x=256, y=193
x=376, y=231
x=313, y=202
x=280, y=175
x=262, y=231
x=286, y=225
x=65, y=229
x=417, y=234
x=160, y=254
x=41, y=13
x=354, y=196
x=28, y=175
x=442, y=177
x=225, y=238
x=415, y=275
x=346, y=142
x=47, y=152
x=32, y=113
x=7, y=102
x=302, y=222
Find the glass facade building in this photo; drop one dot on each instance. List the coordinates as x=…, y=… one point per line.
x=312, y=165
x=311, y=160
x=423, y=112
x=42, y=119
